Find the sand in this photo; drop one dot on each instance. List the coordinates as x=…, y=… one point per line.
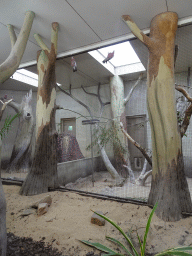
x=68, y=220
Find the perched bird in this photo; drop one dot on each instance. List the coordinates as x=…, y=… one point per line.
x=4, y=98
x=73, y=64
x=109, y=57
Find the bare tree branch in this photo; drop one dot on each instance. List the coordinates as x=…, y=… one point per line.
x=142, y=178
x=73, y=97
x=10, y=65
x=183, y=91
x=132, y=89
x=99, y=98
x=136, y=31
x=188, y=112
x=3, y=107
x=137, y=145
x=12, y=35
x=40, y=42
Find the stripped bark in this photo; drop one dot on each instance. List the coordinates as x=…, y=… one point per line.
x=118, y=103
x=10, y=65
x=169, y=185
x=20, y=160
x=43, y=173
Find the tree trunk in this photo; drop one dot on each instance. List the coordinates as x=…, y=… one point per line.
x=169, y=185
x=43, y=173
x=7, y=69
x=21, y=155
x=118, y=115
x=3, y=231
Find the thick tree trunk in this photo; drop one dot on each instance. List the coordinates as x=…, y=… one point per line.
x=21, y=155
x=118, y=115
x=43, y=173
x=169, y=186
x=7, y=69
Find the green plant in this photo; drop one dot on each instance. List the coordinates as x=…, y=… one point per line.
x=7, y=125
x=107, y=135
x=109, y=252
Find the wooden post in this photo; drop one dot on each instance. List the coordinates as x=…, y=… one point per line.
x=169, y=186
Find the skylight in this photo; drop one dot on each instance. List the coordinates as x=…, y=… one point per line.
x=27, y=77
x=125, y=59
x=124, y=54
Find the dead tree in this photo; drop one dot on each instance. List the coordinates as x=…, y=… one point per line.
x=169, y=185
x=110, y=168
x=118, y=103
x=20, y=160
x=7, y=69
x=43, y=173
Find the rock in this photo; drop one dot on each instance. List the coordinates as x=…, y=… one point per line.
x=182, y=240
x=46, y=199
x=96, y=219
x=27, y=212
x=157, y=227
x=42, y=209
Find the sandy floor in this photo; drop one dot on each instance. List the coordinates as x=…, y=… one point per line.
x=68, y=221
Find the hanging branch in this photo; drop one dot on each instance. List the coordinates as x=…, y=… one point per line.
x=188, y=112
x=137, y=145
x=132, y=89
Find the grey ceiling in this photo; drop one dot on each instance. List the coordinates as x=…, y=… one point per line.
x=86, y=24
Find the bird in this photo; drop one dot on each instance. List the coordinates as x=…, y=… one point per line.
x=73, y=64
x=4, y=98
x=109, y=57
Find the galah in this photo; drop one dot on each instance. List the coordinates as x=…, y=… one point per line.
x=73, y=64
x=4, y=98
x=109, y=57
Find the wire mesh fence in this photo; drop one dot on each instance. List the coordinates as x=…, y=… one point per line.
x=81, y=165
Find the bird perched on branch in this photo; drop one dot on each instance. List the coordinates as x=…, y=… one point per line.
x=109, y=57
x=4, y=98
x=73, y=64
